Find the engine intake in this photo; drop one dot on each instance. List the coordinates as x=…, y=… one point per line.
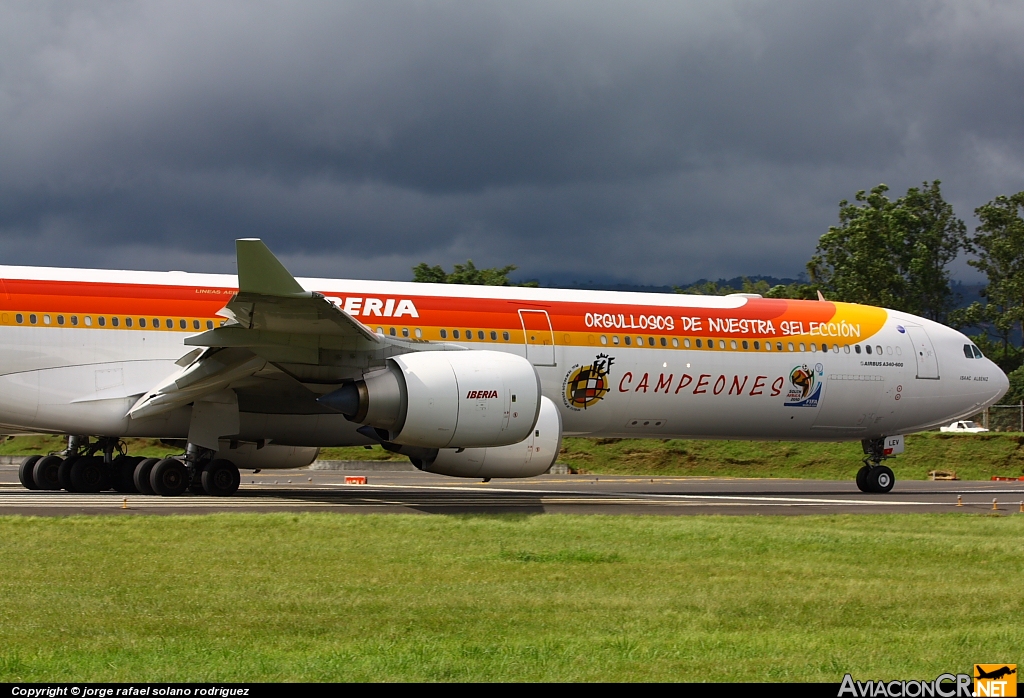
x=436, y=399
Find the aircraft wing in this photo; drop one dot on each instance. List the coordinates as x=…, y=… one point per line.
x=273, y=325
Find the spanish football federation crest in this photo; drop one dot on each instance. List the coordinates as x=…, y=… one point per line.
x=584, y=386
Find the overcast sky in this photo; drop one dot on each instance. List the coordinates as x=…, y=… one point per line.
x=651, y=143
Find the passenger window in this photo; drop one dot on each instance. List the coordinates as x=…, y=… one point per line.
x=856, y=348
x=745, y=344
x=419, y=333
x=391, y=331
x=639, y=341
x=867, y=348
x=664, y=342
x=156, y=323
x=195, y=324
x=127, y=322
x=604, y=339
x=968, y=352
x=732, y=344
x=88, y=321
x=846, y=348
x=686, y=342
x=405, y=331
x=46, y=319
x=494, y=336
x=802, y=347
x=767, y=346
x=888, y=350
x=74, y=320
x=32, y=318
x=169, y=323
x=824, y=347
x=615, y=339
x=698, y=344
x=629, y=340
x=115, y=321
x=505, y=336
x=101, y=321
x=20, y=318
x=899, y=352
x=757, y=345
x=878, y=350
x=444, y=334
x=675, y=342
x=455, y=334
x=790, y=346
x=814, y=348
x=209, y=324
x=182, y=324
x=469, y=334
x=142, y=322
x=60, y=319
x=480, y=334
x=380, y=330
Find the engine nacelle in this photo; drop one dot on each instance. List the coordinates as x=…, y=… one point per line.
x=271, y=457
x=445, y=399
x=531, y=456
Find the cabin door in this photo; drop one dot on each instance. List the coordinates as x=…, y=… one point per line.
x=927, y=363
x=540, y=340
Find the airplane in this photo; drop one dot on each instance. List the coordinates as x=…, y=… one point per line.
x=262, y=370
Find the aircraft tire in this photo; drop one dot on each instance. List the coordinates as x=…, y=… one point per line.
x=862, y=478
x=123, y=474
x=25, y=473
x=64, y=473
x=881, y=479
x=141, y=475
x=169, y=478
x=45, y=472
x=221, y=478
x=87, y=475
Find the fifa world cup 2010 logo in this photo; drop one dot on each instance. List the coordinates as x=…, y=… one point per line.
x=585, y=385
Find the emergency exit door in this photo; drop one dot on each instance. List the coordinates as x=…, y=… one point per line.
x=540, y=339
x=927, y=363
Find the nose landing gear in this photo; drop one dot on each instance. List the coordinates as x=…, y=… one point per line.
x=874, y=477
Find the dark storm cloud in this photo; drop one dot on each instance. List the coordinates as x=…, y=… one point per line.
x=655, y=142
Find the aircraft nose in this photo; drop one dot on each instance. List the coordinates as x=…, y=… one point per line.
x=1000, y=383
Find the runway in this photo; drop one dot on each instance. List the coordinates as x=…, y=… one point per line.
x=401, y=492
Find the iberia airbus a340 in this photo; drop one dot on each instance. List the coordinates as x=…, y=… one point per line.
x=469, y=381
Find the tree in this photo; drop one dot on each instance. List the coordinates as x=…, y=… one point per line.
x=892, y=253
x=998, y=244
x=466, y=274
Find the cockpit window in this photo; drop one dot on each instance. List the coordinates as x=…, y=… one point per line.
x=977, y=352
x=968, y=351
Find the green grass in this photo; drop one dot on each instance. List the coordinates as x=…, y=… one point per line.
x=245, y=597
x=972, y=457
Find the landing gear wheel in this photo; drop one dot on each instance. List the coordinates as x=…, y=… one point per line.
x=25, y=473
x=141, y=475
x=221, y=478
x=123, y=474
x=881, y=479
x=45, y=472
x=169, y=478
x=87, y=475
x=64, y=473
x=862, y=478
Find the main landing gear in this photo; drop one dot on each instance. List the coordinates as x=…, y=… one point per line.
x=875, y=477
x=93, y=467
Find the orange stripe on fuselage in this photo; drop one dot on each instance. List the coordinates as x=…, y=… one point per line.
x=787, y=318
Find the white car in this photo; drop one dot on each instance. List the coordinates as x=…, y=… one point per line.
x=964, y=428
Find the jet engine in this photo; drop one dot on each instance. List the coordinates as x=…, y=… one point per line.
x=531, y=456
x=441, y=399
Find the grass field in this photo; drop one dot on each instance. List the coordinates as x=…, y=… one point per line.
x=338, y=597
x=972, y=457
